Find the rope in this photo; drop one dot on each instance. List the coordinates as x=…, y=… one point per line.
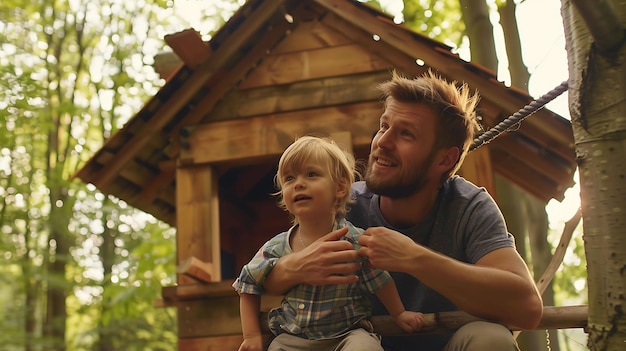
x=518, y=116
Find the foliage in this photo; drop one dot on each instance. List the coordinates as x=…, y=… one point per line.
x=438, y=19
x=71, y=74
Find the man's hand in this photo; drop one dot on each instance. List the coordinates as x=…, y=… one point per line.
x=387, y=249
x=328, y=260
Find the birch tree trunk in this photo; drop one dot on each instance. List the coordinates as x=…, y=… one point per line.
x=596, y=49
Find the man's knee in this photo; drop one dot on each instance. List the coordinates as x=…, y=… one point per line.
x=478, y=336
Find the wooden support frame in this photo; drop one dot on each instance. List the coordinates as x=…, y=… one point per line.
x=477, y=168
x=197, y=218
x=554, y=317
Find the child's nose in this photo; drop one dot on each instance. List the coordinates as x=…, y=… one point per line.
x=299, y=185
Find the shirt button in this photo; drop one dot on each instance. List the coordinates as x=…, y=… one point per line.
x=301, y=306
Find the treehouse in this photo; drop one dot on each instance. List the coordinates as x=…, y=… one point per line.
x=202, y=152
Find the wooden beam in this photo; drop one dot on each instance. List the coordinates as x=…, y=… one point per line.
x=309, y=35
x=197, y=219
x=316, y=93
x=197, y=290
x=189, y=47
x=196, y=269
x=270, y=135
x=554, y=317
x=343, y=139
x=536, y=157
x=327, y=62
x=478, y=169
x=156, y=185
x=537, y=184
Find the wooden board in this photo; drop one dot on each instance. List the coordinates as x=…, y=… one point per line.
x=477, y=168
x=308, y=36
x=197, y=219
x=316, y=93
x=326, y=62
x=251, y=138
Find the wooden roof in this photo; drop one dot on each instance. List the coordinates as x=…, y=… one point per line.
x=278, y=65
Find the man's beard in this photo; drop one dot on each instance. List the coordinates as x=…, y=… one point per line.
x=405, y=185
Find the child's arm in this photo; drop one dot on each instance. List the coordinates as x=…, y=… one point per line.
x=249, y=308
x=409, y=321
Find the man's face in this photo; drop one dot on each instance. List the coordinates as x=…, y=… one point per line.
x=402, y=150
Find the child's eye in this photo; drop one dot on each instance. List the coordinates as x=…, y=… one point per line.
x=312, y=174
x=289, y=178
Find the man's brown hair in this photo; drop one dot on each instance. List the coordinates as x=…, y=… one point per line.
x=453, y=102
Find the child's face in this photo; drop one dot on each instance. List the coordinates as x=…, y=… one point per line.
x=309, y=192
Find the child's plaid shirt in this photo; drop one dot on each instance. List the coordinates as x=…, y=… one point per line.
x=313, y=312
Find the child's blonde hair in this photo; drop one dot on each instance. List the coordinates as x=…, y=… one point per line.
x=323, y=151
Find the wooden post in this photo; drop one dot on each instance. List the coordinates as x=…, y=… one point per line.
x=477, y=169
x=343, y=139
x=197, y=217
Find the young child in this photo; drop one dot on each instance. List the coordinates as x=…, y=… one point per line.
x=313, y=180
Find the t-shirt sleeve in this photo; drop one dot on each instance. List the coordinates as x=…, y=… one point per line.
x=253, y=274
x=486, y=228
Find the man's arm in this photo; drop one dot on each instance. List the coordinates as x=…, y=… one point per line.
x=498, y=287
x=326, y=261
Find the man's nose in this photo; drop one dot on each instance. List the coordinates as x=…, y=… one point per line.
x=384, y=140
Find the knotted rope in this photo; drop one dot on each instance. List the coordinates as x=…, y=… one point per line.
x=518, y=116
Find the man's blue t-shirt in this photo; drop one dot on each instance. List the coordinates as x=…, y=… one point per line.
x=464, y=224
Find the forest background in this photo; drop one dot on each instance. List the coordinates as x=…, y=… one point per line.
x=81, y=270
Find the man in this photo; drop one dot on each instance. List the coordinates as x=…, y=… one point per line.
x=444, y=238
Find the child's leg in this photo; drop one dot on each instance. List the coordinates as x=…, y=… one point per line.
x=359, y=340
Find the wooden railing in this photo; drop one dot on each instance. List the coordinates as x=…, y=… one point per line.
x=554, y=317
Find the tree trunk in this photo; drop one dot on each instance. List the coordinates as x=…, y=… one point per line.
x=60, y=243
x=107, y=256
x=597, y=90
x=517, y=68
x=480, y=33
x=535, y=222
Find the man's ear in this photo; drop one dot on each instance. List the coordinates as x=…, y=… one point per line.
x=449, y=158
